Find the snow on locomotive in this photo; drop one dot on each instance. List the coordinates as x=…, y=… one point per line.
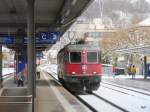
x=79, y=67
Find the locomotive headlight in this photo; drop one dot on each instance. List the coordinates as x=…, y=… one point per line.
x=73, y=73
x=94, y=72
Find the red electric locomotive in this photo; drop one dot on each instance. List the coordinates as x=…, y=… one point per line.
x=79, y=67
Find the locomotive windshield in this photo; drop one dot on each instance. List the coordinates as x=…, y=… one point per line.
x=75, y=57
x=92, y=57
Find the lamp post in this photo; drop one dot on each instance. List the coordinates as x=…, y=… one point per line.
x=145, y=67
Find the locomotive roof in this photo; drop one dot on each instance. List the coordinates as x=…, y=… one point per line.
x=80, y=47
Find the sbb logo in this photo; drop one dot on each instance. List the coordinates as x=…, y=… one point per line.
x=84, y=67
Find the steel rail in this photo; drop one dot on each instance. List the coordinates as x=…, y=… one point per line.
x=111, y=103
x=126, y=89
x=80, y=99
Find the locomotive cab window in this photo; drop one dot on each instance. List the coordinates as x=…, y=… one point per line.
x=92, y=57
x=75, y=57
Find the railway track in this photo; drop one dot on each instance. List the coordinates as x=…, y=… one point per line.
x=100, y=99
x=86, y=103
x=135, y=94
x=80, y=99
x=124, y=94
x=125, y=88
x=104, y=104
x=111, y=103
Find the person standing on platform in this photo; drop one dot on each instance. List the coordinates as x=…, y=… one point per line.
x=133, y=71
x=20, y=79
x=38, y=72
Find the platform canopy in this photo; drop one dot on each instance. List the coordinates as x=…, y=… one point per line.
x=141, y=49
x=50, y=15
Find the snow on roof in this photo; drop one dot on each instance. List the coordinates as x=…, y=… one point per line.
x=145, y=22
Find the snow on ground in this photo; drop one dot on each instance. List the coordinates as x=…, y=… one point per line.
x=50, y=68
x=122, y=76
x=7, y=71
x=99, y=105
x=129, y=92
x=127, y=87
x=126, y=101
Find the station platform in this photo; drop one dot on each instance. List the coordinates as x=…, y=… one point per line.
x=139, y=82
x=50, y=97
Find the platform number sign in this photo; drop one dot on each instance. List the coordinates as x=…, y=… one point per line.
x=48, y=37
x=54, y=36
x=44, y=36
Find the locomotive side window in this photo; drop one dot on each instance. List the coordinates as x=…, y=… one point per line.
x=75, y=57
x=92, y=57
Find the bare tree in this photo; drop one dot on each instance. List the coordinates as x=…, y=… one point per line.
x=124, y=38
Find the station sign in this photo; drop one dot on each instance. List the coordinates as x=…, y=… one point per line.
x=6, y=39
x=41, y=38
x=48, y=37
x=45, y=38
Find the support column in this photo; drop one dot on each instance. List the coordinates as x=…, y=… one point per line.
x=31, y=50
x=1, y=78
x=30, y=45
x=145, y=67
